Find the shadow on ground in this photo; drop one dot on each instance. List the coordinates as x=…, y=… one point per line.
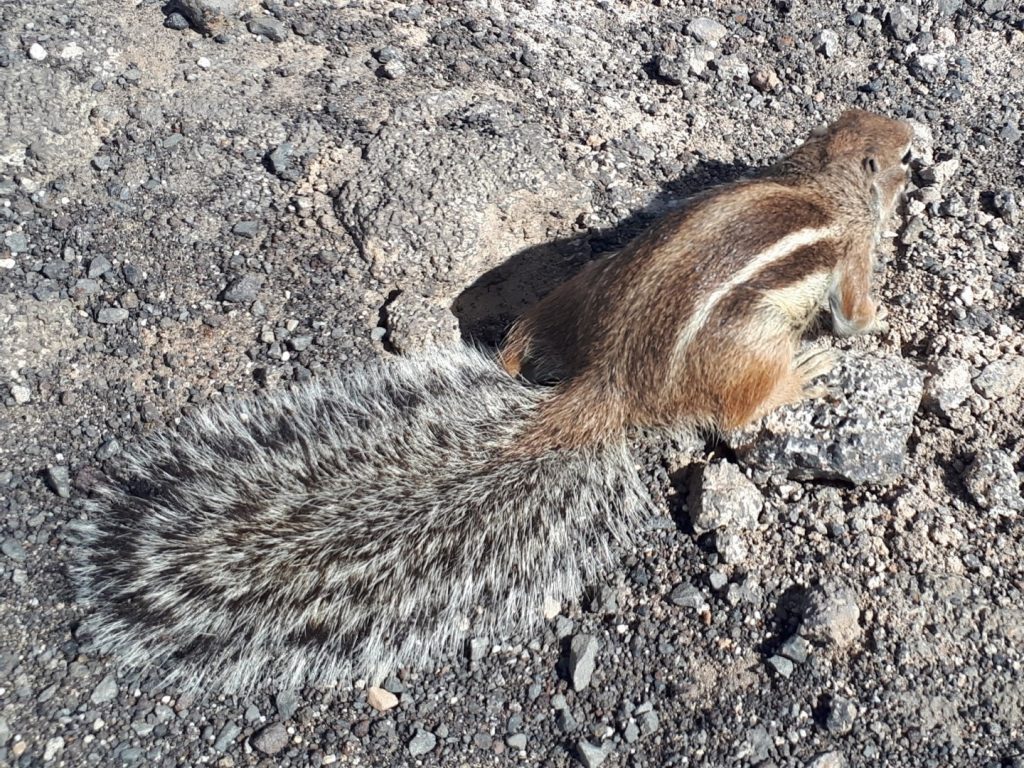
x=487, y=308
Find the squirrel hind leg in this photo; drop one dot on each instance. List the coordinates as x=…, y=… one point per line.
x=770, y=382
x=513, y=352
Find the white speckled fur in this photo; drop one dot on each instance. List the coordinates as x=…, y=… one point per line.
x=345, y=528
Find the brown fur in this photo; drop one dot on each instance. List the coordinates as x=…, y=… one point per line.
x=696, y=322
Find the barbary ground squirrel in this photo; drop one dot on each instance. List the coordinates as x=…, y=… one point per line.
x=377, y=518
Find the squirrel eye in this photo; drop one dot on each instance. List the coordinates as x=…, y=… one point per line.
x=906, y=158
x=870, y=165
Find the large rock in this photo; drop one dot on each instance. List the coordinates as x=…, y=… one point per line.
x=448, y=190
x=857, y=433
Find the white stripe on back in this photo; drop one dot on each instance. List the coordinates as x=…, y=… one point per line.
x=777, y=251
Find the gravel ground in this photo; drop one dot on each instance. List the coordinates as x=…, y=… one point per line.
x=221, y=197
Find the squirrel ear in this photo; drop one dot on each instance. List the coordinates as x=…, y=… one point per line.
x=870, y=165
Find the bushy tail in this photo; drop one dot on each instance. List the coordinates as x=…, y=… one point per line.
x=345, y=528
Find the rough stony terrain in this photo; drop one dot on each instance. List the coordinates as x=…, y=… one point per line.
x=222, y=197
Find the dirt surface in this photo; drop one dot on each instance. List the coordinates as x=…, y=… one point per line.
x=189, y=215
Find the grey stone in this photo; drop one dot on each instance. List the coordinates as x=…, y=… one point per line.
x=36, y=52
x=52, y=748
x=105, y=691
x=604, y=599
x=757, y=744
x=13, y=549
x=16, y=242
x=280, y=162
x=1010, y=133
x=227, y=736
x=648, y=722
x=631, y=732
x=1001, y=378
x=706, y=30
x=831, y=759
x=242, y=290
x=858, y=434
x=671, y=69
x=477, y=648
x=176, y=21
x=832, y=615
x=782, y=665
x=422, y=743
x=947, y=386
x=591, y=755
x=717, y=580
x=108, y=449
x=98, y=267
x=903, y=21
x=416, y=323
x=940, y=173
x=842, y=714
x=271, y=739
x=911, y=233
x=268, y=27
x=246, y=229
x=732, y=546
x=393, y=685
x=299, y=343
x=59, y=480
x=287, y=702
x=112, y=315
x=687, y=596
x=85, y=287
x=563, y=626
x=826, y=42
x=21, y=393
x=394, y=70
x=482, y=741
x=721, y=496
x=795, y=648
x=992, y=481
x=1006, y=205
x=582, y=658
x=516, y=741
x=564, y=720
x=732, y=68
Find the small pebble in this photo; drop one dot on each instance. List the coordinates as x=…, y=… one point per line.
x=105, y=691
x=422, y=743
x=582, y=659
x=13, y=549
x=380, y=699
x=516, y=741
x=58, y=479
x=112, y=315
x=841, y=716
x=36, y=52
x=271, y=739
x=590, y=755
x=782, y=665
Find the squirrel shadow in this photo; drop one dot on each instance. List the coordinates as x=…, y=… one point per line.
x=488, y=307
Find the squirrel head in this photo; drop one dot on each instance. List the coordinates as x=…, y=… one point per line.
x=869, y=152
